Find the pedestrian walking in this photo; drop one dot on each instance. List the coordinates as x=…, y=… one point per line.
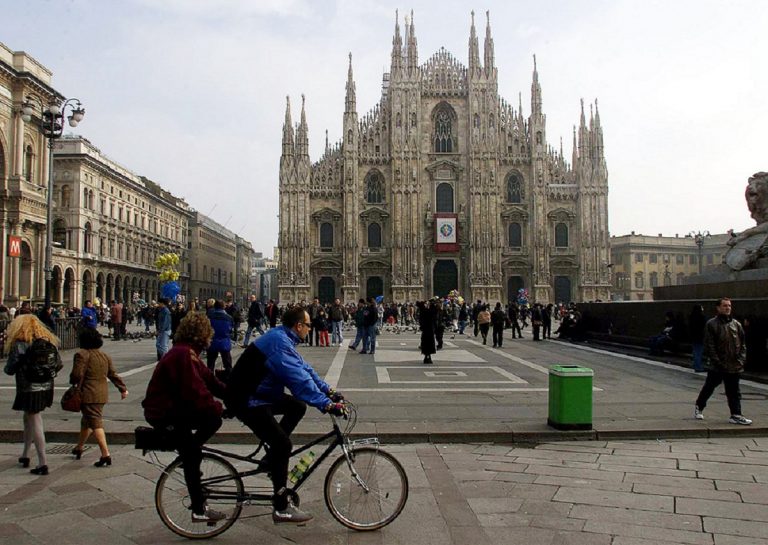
x=546, y=321
x=536, y=321
x=337, y=316
x=370, y=318
x=726, y=352
x=498, y=319
x=255, y=315
x=271, y=313
x=313, y=310
x=475, y=311
x=91, y=369
x=223, y=325
x=115, y=318
x=163, y=327
x=428, y=325
x=34, y=359
x=358, y=318
x=514, y=312
x=320, y=324
x=484, y=322
x=463, y=317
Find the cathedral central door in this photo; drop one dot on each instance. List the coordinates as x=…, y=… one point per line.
x=514, y=285
x=374, y=286
x=326, y=290
x=445, y=277
x=562, y=289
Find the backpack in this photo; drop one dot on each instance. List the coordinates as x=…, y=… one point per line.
x=41, y=362
x=244, y=379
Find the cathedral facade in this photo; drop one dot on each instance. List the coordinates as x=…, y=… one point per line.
x=444, y=185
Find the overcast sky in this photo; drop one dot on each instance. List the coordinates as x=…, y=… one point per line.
x=191, y=93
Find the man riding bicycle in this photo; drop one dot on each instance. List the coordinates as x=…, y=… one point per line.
x=256, y=394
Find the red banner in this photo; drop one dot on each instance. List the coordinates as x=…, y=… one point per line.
x=14, y=246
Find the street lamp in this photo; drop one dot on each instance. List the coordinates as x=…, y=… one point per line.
x=698, y=238
x=52, y=126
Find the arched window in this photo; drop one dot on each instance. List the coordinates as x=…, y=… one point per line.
x=667, y=278
x=398, y=120
x=85, y=197
x=539, y=138
x=413, y=119
x=65, y=196
x=29, y=158
x=561, y=235
x=374, y=235
x=445, y=140
x=60, y=233
x=374, y=187
x=444, y=198
x=515, y=235
x=654, y=279
x=680, y=277
x=326, y=235
x=639, y=282
x=515, y=193
x=87, y=236
x=476, y=121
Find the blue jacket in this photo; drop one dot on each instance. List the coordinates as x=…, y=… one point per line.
x=89, y=317
x=222, y=330
x=286, y=368
x=163, y=319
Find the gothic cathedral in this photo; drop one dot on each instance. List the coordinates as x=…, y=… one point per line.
x=444, y=185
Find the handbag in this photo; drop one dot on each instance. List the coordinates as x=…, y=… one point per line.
x=72, y=399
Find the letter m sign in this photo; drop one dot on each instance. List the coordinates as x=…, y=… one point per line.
x=14, y=246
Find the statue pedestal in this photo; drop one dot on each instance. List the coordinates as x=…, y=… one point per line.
x=720, y=281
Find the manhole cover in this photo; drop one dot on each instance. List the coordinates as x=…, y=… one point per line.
x=63, y=449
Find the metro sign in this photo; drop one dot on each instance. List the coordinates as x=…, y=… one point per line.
x=14, y=246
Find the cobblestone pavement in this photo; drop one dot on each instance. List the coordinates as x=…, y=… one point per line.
x=694, y=491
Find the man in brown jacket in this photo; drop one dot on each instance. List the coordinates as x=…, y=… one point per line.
x=726, y=352
x=116, y=317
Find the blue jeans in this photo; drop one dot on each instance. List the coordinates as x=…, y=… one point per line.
x=358, y=337
x=698, y=351
x=462, y=325
x=369, y=339
x=336, y=336
x=248, y=331
x=163, y=343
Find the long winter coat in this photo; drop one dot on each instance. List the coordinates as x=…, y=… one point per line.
x=428, y=323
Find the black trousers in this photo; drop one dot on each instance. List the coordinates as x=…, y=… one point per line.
x=484, y=331
x=189, y=437
x=498, y=334
x=261, y=420
x=547, y=330
x=516, y=331
x=714, y=378
x=226, y=359
x=536, y=330
x=439, y=331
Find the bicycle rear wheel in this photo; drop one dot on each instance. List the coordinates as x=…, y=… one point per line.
x=222, y=488
x=375, y=502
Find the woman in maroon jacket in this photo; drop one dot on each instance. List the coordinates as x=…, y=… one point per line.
x=180, y=400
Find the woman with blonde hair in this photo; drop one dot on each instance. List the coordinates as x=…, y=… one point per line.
x=92, y=367
x=33, y=396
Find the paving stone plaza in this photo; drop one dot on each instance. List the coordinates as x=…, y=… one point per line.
x=471, y=432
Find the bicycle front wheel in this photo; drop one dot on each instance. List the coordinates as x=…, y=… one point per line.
x=368, y=493
x=222, y=490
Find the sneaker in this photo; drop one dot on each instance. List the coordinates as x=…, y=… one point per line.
x=352, y=347
x=291, y=514
x=208, y=515
x=698, y=414
x=738, y=419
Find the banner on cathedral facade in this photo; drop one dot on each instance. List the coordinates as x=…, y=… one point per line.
x=14, y=246
x=447, y=239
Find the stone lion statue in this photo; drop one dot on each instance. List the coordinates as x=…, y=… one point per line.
x=757, y=202
x=750, y=245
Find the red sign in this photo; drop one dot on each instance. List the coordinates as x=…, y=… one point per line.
x=14, y=246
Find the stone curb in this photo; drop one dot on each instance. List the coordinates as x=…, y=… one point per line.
x=521, y=437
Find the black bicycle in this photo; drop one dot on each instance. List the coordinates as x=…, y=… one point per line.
x=365, y=488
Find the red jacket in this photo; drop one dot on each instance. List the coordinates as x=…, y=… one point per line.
x=182, y=388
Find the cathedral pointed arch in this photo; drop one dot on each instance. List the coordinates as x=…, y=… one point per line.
x=445, y=124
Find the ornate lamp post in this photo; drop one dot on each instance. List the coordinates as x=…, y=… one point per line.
x=698, y=238
x=52, y=127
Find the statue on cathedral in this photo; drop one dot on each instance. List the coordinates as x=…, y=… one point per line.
x=750, y=245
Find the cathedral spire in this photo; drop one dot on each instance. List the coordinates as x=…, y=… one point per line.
x=474, y=49
x=488, y=50
x=302, y=137
x=575, y=156
x=288, y=129
x=327, y=147
x=351, y=100
x=413, y=51
x=397, y=49
x=535, y=91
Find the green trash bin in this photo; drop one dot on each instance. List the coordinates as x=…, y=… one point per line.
x=570, y=397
